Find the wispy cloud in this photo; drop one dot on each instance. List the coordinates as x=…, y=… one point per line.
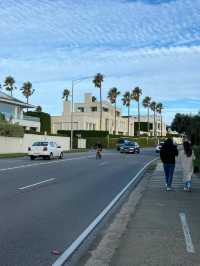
x=151, y=43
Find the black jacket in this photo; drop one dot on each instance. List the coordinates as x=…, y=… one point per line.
x=168, y=152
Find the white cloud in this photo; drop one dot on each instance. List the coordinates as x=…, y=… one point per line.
x=133, y=43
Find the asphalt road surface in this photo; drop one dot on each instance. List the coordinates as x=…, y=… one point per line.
x=46, y=205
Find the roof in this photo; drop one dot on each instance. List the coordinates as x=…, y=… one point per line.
x=9, y=99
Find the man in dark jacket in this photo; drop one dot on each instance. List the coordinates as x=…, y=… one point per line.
x=168, y=154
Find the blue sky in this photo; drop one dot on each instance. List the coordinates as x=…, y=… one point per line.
x=154, y=44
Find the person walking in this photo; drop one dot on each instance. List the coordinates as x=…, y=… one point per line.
x=186, y=158
x=168, y=155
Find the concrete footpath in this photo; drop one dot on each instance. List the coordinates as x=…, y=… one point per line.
x=162, y=230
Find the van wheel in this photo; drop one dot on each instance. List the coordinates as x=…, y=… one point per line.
x=61, y=155
x=32, y=157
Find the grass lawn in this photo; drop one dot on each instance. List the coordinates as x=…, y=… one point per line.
x=12, y=155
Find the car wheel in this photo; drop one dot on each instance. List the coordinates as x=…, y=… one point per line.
x=61, y=155
x=32, y=157
x=51, y=156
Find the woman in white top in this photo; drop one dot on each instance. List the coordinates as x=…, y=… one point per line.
x=187, y=157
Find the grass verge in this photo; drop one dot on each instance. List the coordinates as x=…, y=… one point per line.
x=12, y=155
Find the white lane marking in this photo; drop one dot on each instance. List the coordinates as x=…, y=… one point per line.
x=103, y=163
x=186, y=231
x=36, y=184
x=70, y=250
x=36, y=164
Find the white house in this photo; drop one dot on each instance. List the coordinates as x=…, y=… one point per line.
x=13, y=108
x=86, y=117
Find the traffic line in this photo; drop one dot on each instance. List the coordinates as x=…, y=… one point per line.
x=103, y=163
x=36, y=164
x=186, y=232
x=36, y=184
x=72, y=248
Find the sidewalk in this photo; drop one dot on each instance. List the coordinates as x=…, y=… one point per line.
x=154, y=235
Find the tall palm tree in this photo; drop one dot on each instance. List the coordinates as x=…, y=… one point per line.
x=153, y=108
x=9, y=84
x=127, y=102
x=27, y=90
x=112, y=96
x=66, y=94
x=146, y=103
x=98, y=80
x=136, y=93
x=159, y=108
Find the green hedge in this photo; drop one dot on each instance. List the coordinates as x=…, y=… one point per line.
x=11, y=130
x=45, y=120
x=84, y=133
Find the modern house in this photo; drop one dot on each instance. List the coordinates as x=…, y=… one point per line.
x=86, y=117
x=12, y=109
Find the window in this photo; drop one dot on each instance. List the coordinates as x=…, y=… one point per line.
x=81, y=109
x=94, y=109
x=40, y=144
x=105, y=109
x=8, y=110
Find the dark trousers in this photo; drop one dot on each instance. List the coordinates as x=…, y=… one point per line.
x=169, y=172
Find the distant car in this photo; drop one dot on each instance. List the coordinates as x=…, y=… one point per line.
x=120, y=143
x=46, y=150
x=130, y=147
x=159, y=146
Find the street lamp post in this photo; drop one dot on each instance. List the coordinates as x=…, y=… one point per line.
x=74, y=82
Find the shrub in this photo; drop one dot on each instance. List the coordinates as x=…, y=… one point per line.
x=84, y=133
x=45, y=120
x=11, y=130
x=2, y=117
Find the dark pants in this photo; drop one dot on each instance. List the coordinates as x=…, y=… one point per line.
x=169, y=171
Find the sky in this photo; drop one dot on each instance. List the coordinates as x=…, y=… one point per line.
x=154, y=44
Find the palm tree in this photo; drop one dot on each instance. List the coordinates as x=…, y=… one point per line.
x=146, y=103
x=27, y=90
x=66, y=94
x=98, y=80
x=94, y=99
x=136, y=93
x=9, y=84
x=38, y=109
x=127, y=102
x=159, y=108
x=153, y=108
x=112, y=96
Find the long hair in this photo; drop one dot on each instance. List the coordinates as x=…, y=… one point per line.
x=187, y=148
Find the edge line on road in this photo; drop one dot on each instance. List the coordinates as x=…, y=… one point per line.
x=36, y=184
x=72, y=248
x=186, y=232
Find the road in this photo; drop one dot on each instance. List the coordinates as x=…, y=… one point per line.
x=46, y=205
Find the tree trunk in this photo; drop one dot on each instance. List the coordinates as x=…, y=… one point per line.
x=154, y=123
x=148, y=120
x=115, y=117
x=27, y=103
x=128, y=118
x=138, y=117
x=161, y=125
x=100, y=109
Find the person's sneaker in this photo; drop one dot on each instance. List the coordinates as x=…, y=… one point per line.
x=169, y=188
x=185, y=189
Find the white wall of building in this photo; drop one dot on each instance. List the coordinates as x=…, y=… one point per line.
x=20, y=145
